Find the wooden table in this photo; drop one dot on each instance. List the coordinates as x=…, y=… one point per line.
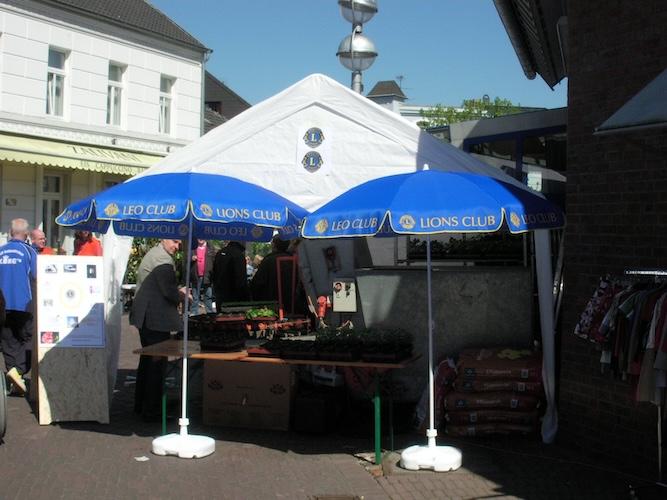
x=173, y=348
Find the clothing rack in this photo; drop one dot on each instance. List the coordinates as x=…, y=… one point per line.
x=658, y=274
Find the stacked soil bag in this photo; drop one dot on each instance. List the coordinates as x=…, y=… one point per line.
x=497, y=391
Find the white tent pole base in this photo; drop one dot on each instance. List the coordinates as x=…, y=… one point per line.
x=437, y=458
x=184, y=445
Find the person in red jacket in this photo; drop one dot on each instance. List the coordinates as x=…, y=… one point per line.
x=86, y=244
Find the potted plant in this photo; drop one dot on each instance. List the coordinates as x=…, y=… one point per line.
x=338, y=345
x=269, y=349
x=298, y=349
x=386, y=345
x=326, y=344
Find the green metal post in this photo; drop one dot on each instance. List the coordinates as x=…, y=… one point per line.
x=378, y=433
x=391, y=413
x=164, y=405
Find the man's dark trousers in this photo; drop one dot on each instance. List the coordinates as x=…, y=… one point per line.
x=16, y=337
x=150, y=376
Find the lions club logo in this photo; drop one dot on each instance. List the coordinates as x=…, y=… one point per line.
x=515, y=219
x=111, y=210
x=313, y=137
x=183, y=229
x=312, y=161
x=321, y=226
x=206, y=209
x=407, y=221
x=256, y=232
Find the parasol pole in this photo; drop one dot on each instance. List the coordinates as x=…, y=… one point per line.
x=185, y=445
x=431, y=433
x=431, y=456
x=183, y=421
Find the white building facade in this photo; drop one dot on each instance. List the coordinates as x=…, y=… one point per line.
x=87, y=99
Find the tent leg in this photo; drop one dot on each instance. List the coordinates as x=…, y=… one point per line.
x=659, y=442
x=546, y=301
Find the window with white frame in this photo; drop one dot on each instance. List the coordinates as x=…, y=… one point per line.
x=52, y=193
x=166, y=87
x=55, y=83
x=114, y=94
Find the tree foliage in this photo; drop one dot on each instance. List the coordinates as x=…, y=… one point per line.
x=470, y=109
x=140, y=247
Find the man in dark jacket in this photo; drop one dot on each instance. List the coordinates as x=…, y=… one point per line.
x=230, y=282
x=155, y=314
x=201, y=269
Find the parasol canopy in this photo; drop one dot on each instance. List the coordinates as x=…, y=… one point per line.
x=432, y=202
x=158, y=206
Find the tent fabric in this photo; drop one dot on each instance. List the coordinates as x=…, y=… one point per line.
x=317, y=139
x=361, y=141
x=116, y=255
x=545, y=294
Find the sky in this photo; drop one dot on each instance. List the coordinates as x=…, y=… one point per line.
x=444, y=50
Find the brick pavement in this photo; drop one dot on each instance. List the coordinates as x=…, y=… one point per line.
x=90, y=460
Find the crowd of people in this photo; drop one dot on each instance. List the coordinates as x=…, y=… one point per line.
x=229, y=275
x=217, y=276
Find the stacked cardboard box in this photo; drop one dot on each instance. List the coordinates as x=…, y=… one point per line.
x=497, y=391
x=250, y=395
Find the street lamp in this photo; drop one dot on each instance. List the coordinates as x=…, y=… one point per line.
x=357, y=52
x=358, y=11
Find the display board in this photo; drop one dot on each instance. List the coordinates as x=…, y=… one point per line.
x=344, y=293
x=70, y=311
x=71, y=371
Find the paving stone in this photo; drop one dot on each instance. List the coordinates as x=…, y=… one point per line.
x=89, y=460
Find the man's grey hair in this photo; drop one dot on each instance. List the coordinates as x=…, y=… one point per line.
x=19, y=227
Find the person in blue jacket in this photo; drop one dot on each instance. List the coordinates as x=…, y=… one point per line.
x=18, y=270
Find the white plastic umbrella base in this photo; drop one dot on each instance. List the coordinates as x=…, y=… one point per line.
x=184, y=446
x=437, y=458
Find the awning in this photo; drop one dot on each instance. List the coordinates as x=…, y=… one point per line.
x=647, y=109
x=70, y=155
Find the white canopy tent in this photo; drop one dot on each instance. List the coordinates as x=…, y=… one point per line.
x=316, y=139
x=362, y=141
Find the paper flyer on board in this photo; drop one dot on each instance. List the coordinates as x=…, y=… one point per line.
x=70, y=301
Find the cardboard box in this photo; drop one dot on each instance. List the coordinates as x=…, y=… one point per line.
x=250, y=395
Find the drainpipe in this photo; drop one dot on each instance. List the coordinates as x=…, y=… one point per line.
x=505, y=10
x=202, y=111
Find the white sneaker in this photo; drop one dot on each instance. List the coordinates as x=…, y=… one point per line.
x=17, y=381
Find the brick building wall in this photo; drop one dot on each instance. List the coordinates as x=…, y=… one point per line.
x=617, y=215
